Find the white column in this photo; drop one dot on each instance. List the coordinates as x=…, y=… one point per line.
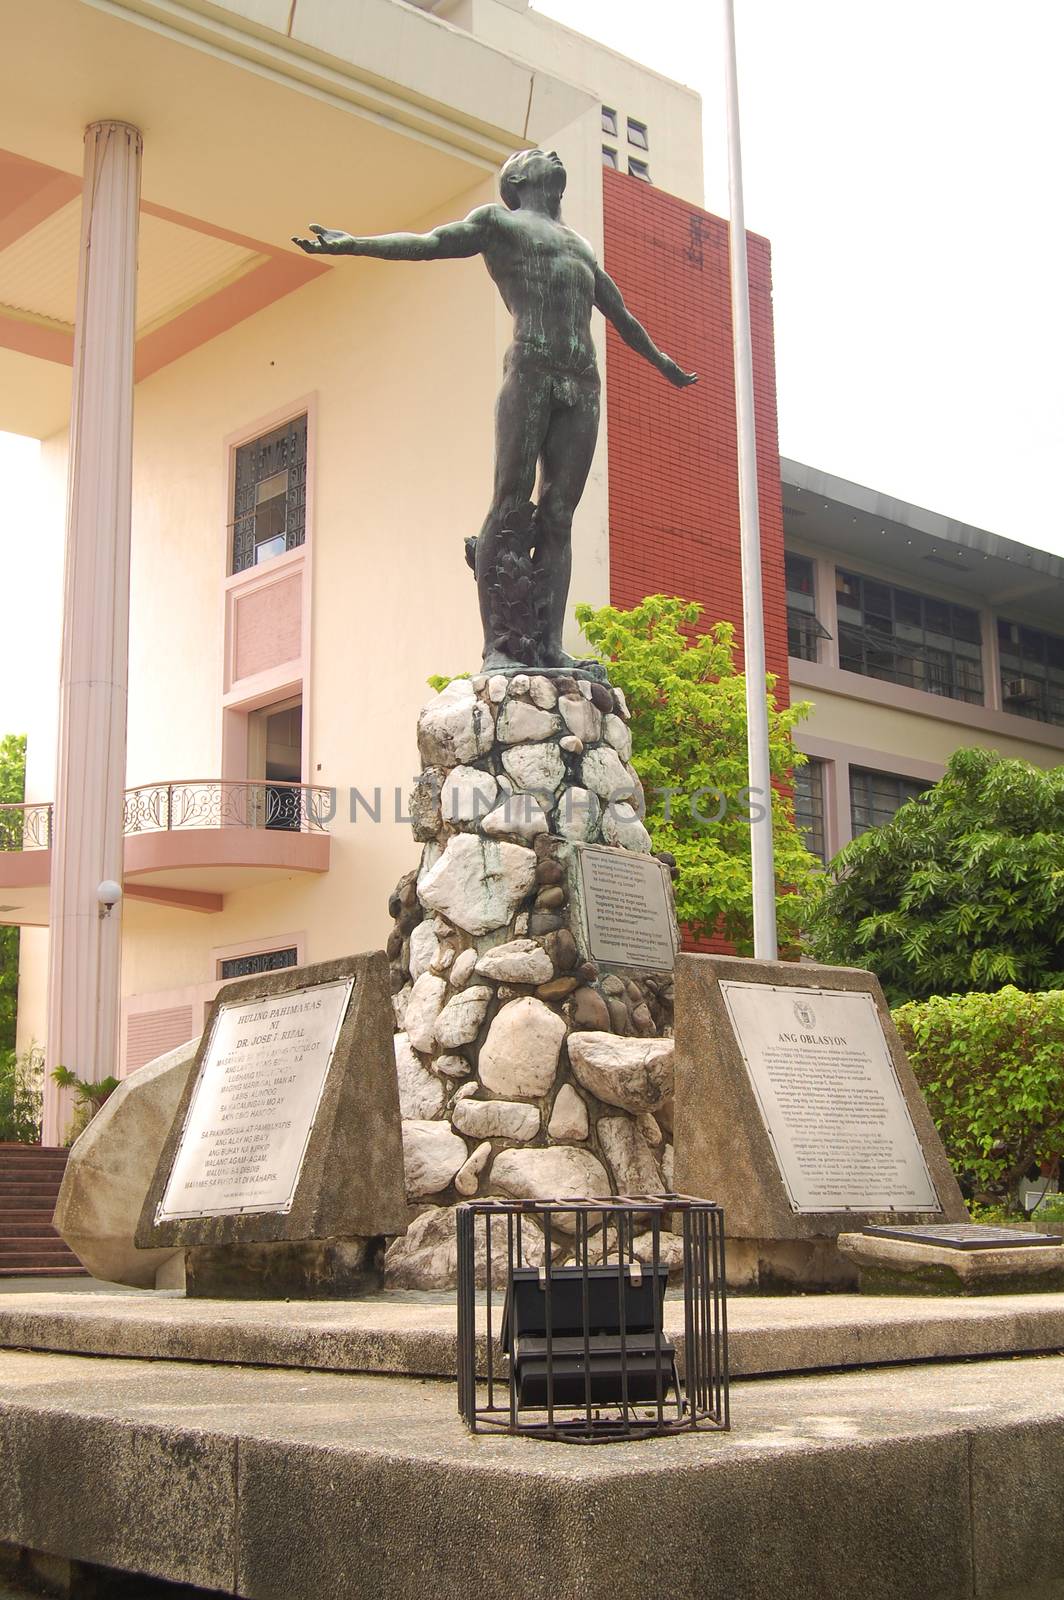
x=757, y=746
x=85, y=953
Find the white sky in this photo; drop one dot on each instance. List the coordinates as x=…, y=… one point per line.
x=903, y=157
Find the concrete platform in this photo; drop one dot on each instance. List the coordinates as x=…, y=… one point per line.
x=903, y=1483
x=414, y=1334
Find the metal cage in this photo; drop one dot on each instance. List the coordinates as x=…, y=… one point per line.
x=573, y=1322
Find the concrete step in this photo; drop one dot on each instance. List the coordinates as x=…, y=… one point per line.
x=35, y=1226
x=904, y=1483
x=62, y=1271
x=14, y=1260
x=25, y=1192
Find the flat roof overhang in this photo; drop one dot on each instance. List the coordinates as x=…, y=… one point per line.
x=258, y=118
x=923, y=548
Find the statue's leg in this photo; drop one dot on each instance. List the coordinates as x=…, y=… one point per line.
x=566, y=462
x=522, y=413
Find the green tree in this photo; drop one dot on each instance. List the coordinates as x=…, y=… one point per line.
x=12, y=789
x=963, y=889
x=687, y=699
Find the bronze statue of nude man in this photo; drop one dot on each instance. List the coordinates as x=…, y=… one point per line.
x=547, y=413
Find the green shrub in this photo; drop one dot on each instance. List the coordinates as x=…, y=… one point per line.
x=20, y=1096
x=991, y=1067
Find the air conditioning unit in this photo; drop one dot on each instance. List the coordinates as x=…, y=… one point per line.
x=1023, y=691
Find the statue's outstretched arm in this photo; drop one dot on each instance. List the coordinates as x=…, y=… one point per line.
x=445, y=243
x=610, y=302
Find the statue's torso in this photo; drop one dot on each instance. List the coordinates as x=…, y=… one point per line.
x=545, y=273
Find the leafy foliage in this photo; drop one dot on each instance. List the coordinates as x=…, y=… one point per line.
x=88, y=1098
x=12, y=788
x=687, y=700
x=992, y=1069
x=20, y=1096
x=962, y=889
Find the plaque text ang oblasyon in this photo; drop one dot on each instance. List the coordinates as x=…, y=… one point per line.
x=259, y=1088
x=830, y=1098
x=627, y=907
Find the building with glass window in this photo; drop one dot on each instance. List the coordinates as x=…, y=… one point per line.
x=313, y=443
x=912, y=634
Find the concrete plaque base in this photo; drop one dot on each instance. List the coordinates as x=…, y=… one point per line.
x=911, y=1266
x=804, y=1127
x=311, y=1269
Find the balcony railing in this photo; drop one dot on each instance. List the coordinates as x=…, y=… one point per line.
x=201, y=803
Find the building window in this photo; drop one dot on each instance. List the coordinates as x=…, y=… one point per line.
x=876, y=796
x=809, y=806
x=275, y=760
x=638, y=169
x=637, y=134
x=804, y=631
x=270, y=495
x=1032, y=672
x=909, y=638
x=609, y=120
x=263, y=961
x=610, y=158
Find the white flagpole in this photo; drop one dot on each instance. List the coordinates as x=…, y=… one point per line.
x=764, y=884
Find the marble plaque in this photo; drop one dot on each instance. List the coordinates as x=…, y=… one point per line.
x=627, y=909
x=251, y=1114
x=830, y=1097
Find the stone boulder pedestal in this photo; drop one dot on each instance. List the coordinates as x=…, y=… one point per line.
x=531, y=1063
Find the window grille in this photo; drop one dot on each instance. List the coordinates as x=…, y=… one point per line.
x=804, y=629
x=263, y=961
x=908, y=638
x=270, y=495
x=809, y=806
x=876, y=796
x=1032, y=672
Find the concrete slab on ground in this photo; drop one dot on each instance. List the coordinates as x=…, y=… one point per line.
x=414, y=1333
x=926, y=1483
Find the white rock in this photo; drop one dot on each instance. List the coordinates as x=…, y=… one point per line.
x=648, y=1127
x=424, y=1006
x=605, y=775
x=432, y=1154
x=568, y=1120
x=584, y=687
x=521, y=722
x=495, y=1119
x=497, y=688
x=462, y=969
x=461, y=1018
x=519, y=683
x=559, y=1172
x=571, y=745
x=519, y=1058
x=424, y=948
x=521, y=924
x=452, y=1066
x=636, y=1074
x=539, y=768
x=621, y=826
x=519, y=961
x=543, y=693
x=426, y=1256
x=622, y=704
x=670, y=1250
x=430, y=855
x=520, y=815
x=444, y=959
x=618, y=734
x=479, y=883
x=468, y=1179
x=399, y=1005
x=633, y=1166
x=421, y=1094
x=668, y=1164
x=455, y=727
x=467, y=795
x=583, y=720
x=577, y=814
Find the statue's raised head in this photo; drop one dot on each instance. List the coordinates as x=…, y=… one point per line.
x=536, y=167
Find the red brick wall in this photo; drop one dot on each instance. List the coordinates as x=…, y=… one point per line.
x=674, y=512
